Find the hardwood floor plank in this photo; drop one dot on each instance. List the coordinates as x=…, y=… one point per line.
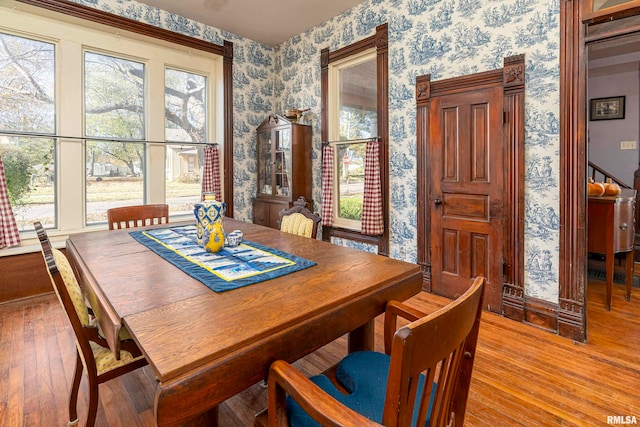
x=567, y=403
x=492, y=406
x=15, y=401
x=56, y=345
x=31, y=392
x=523, y=376
x=114, y=394
x=45, y=353
x=141, y=397
x=6, y=329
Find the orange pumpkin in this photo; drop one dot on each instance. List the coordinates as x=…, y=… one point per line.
x=611, y=188
x=594, y=189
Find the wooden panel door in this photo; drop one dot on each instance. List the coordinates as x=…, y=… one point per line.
x=467, y=192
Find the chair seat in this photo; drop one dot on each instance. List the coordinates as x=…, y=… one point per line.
x=106, y=361
x=124, y=334
x=363, y=375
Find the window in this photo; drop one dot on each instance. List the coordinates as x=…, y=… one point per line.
x=27, y=109
x=353, y=84
x=185, y=106
x=91, y=120
x=355, y=98
x=114, y=99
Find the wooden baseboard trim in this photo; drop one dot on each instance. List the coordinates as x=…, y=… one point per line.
x=534, y=311
x=26, y=298
x=513, y=302
x=540, y=313
x=426, y=277
x=571, y=322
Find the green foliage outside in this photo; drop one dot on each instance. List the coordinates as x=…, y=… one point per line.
x=17, y=172
x=351, y=207
x=27, y=166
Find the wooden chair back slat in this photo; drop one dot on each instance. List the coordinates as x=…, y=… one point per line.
x=442, y=344
x=137, y=216
x=436, y=350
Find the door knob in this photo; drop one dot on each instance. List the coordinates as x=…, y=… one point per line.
x=437, y=202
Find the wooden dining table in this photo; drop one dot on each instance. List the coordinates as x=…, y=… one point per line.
x=205, y=346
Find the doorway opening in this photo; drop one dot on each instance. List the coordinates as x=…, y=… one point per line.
x=612, y=52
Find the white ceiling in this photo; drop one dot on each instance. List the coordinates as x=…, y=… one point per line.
x=267, y=22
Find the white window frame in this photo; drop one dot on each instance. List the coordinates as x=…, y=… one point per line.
x=334, y=69
x=71, y=38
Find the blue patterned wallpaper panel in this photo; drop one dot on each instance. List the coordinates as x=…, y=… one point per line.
x=444, y=38
x=449, y=39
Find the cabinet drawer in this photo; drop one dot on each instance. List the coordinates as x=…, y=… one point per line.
x=267, y=212
x=623, y=226
x=611, y=222
x=260, y=213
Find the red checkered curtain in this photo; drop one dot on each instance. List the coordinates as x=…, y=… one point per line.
x=9, y=235
x=372, y=219
x=211, y=172
x=328, y=154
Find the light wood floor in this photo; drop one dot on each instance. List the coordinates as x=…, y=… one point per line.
x=523, y=376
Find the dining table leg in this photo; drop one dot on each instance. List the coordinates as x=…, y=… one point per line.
x=362, y=338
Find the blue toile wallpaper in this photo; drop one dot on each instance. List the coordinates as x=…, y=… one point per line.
x=445, y=38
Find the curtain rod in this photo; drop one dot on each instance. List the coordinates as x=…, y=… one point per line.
x=98, y=138
x=353, y=141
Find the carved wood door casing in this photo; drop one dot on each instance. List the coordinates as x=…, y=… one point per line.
x=467, y=191
x=470, y=155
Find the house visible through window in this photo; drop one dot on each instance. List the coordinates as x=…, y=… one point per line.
x=185, y=120
x=114, y=100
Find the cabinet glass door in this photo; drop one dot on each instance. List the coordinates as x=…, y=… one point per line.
x=265, y=176
x=601, y=11
x=283, y=162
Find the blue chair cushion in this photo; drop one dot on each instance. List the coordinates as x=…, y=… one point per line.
x=364, y=375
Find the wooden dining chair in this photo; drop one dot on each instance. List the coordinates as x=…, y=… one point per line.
x=299, y=219
x=137, y=216
x=93, y=352
x=422, y=379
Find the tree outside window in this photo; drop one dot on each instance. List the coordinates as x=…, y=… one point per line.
x=115, y=124
x=27, y=107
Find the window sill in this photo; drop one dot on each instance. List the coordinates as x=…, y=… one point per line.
x=345, y=233
x=30, y=242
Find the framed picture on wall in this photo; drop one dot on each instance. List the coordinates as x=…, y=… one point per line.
x=607, y=108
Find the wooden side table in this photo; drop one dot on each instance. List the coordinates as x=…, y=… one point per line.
x=611, y=230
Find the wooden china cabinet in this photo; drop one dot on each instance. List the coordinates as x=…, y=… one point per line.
x=284, y=168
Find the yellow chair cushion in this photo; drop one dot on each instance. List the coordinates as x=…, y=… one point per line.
x=77, y=297
x=104, y=357
x=297, y=224
x=73, y=288
x=106, y=361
